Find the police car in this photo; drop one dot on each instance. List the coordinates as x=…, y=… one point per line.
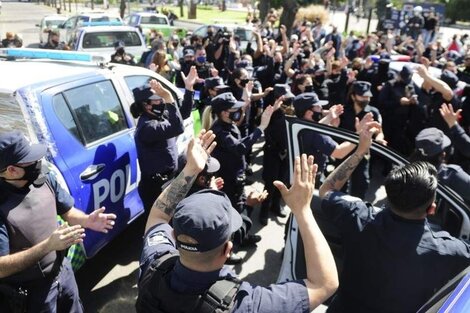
x=78, y=106
x=149, y=20
x=452, y=215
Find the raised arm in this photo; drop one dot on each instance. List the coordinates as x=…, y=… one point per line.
x=198, y=151
x=322, y=276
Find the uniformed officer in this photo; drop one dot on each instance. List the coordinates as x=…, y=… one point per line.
x=34, y=274
x=192, y=253
x=391, y=252
x=275, y=158
x=307, y=106
x=360, y=96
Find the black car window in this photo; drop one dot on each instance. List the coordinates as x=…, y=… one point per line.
x=96, y=110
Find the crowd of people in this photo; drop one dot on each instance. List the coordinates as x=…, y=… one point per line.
x=198, y=215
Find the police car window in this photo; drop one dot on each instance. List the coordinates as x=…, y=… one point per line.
x=107, y=39
x=134, y=20
x=63, y=113
x=97, y=110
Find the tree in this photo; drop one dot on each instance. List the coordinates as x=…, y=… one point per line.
x=288, y=14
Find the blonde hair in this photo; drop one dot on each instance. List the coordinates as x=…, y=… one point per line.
x=207, y=119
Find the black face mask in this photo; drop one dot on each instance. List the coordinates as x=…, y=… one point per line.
x=54, y=42
x=319, y=79
x=32, y=173
x=120, y=51
x=236, y=116
x=209, y=34
x=317, y=116
x=243, y=82
x=309, y=88
x=334, y=76
x=158, y=110
x=362, y=103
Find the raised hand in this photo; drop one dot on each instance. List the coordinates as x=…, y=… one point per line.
x=161, y=91
x=191, y=79
x=266, y=117
x=448, y=114
x=300, y=194
x=199, y=149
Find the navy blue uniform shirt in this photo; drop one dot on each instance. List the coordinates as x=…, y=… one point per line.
x=156, y=141
x=290, y=297
x=318, y=145
x=391, y=264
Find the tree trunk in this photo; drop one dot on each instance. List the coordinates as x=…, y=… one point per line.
x=181, y=8
x=264, y=6
x=288, y=14
x=122, y=8
x=192, y=10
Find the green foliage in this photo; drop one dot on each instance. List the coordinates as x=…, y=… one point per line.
x=458, y=10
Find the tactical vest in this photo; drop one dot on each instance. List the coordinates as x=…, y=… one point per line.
x=156, y=296
x=30, y=218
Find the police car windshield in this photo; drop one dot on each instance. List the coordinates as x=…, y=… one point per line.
x=107, y=39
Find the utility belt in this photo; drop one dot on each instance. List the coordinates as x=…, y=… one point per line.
x=14, y=296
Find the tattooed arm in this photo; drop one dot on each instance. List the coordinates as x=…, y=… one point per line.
x=197, y=154
x=336, y=180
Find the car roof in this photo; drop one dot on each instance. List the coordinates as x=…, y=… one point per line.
x=40, y=71
x=55, y=17
x=116, y=28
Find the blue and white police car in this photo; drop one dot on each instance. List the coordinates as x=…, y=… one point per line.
x=79, y=107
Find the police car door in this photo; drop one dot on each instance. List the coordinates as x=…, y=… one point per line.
x=452, y=214
x=95, y=150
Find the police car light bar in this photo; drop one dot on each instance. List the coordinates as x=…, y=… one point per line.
x=28, y=53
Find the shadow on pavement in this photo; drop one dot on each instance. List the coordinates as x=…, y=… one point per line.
x=263, y=277
x=121, y=292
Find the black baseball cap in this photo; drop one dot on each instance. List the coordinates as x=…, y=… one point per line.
x=406, y=73
x=214, y=83
x=142, y=94
x=15, y=148
x=431, y=141
x=306, y=101
x=207, y=216
x=362, y=88
x=224, y=102
x=450, y=78
x=282, y=90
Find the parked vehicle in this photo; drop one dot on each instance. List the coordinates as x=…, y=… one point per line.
x=49, y=23
x=70, y=26
x=244, y=33
x=148, y=21
x=100, y=40
x=80, y=110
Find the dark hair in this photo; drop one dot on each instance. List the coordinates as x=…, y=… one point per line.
x=411, y=188
x=137, y=109
x=435, y=160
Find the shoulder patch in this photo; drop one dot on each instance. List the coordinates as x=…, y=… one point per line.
x=157, y=239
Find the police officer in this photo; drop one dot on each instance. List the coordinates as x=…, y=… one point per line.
x=275, y=158
x=393, y=251
x=360, y=96
x=182, y=267
x=160, y=122
x=308, y=107
x=34, y=274
x=121, y=56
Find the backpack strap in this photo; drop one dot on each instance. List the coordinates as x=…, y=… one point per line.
x=219, y=297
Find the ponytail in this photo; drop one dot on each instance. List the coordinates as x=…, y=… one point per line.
x=207, y=119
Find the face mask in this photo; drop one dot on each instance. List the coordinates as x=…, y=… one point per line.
x=55, y=42
x=309, y=88
x=362, y=103
x=31, y=172
x=209, y=34
x=201, y=59
x=319, y=79
x=317, y=116
x=243, y=82
x=158, y=110
x=235, y=116
x=120, y=51
x=334, y=76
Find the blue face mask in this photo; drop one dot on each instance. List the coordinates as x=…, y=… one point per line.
x=201, y=59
